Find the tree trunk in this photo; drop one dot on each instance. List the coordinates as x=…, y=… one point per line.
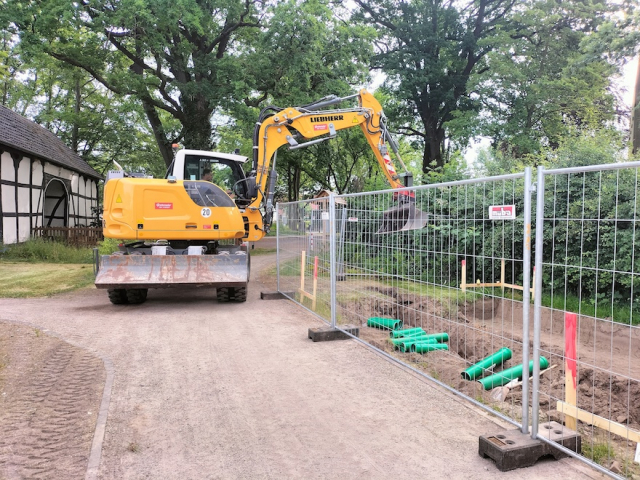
x=434, y=145
x=297, y=172
x=196, y=123
x=635, y=116
x=76, y=109
x=164, y=145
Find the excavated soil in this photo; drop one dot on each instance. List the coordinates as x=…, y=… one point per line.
x=50, y=392
x=608, y=352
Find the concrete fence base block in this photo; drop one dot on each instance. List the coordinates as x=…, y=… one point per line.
x=513, y=449
x=326, y=334
x=275, y=295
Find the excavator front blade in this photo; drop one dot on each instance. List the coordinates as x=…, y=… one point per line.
x=403, y=218
x=161, y=271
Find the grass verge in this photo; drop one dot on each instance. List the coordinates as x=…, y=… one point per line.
x=38, y=250
x=27, y=280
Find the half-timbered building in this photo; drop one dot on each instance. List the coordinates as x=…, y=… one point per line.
x=42, y=181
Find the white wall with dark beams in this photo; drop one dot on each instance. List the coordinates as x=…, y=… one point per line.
x=35, y=192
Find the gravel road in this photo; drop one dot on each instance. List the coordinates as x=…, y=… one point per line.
x=203, y=390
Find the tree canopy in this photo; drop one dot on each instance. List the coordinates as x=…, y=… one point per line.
x=125, y=80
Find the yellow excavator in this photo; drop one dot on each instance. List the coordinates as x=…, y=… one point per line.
x=194, y=226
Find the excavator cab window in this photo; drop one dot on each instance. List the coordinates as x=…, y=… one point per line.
x=225, y=173
x=206, y=194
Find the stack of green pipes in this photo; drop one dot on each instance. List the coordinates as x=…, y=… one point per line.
x=499, y=379
x=417, y=340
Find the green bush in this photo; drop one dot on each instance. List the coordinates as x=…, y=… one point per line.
x=108, y=246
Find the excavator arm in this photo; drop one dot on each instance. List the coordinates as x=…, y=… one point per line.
x=277, y=127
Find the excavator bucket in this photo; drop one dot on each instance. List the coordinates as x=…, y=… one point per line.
x=161, y=271
x=402, y=218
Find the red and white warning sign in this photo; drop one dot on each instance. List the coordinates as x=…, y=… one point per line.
x=502, y=212
x=323, y=126
x=164, y=206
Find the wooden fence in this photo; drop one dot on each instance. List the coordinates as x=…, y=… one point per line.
x=74, y=236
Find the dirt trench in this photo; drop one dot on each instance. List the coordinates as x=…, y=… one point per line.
x=608, y=366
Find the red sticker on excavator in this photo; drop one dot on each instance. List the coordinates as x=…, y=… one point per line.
x=322, y=126
x=164, y=206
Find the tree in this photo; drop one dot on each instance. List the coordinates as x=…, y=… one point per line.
x=635, y=116
x=310, y=50
x=175, y=57
x=95, y=123
x=428, y=49
x=546, y=80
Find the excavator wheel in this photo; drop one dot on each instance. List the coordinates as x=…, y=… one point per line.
x=223, y=294
x=239, y=294
x=117, y=296
x=137, y=295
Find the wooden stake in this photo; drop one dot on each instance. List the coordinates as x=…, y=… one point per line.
x=463, y=285
x=315, y=283
x=301, y=291
x=304, y=255
x=570, y=366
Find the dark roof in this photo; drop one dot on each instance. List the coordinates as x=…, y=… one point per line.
x=29, y=137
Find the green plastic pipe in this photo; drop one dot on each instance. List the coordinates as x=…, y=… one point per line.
x=428, y=347
x=405, y=333
x=478, y=369
x=505, y=376
x=440, y=337
x=398, y=341
x=384, y=323
x=406, y=345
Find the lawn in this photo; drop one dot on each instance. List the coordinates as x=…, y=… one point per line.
x=26, y=280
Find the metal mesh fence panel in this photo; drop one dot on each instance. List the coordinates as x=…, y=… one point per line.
x=448, y=272
x=587, y=312
x=304, y=254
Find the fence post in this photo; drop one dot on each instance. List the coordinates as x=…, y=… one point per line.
x=526, y=294
x=332, y=256
x=537, y=303
x=277, y=248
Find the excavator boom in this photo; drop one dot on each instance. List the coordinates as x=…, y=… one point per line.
x=287, y=126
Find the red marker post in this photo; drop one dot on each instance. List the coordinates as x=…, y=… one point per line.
x=570, y=365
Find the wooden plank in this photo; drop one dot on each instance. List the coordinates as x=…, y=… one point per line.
x=478, y=285
x=597, y=421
